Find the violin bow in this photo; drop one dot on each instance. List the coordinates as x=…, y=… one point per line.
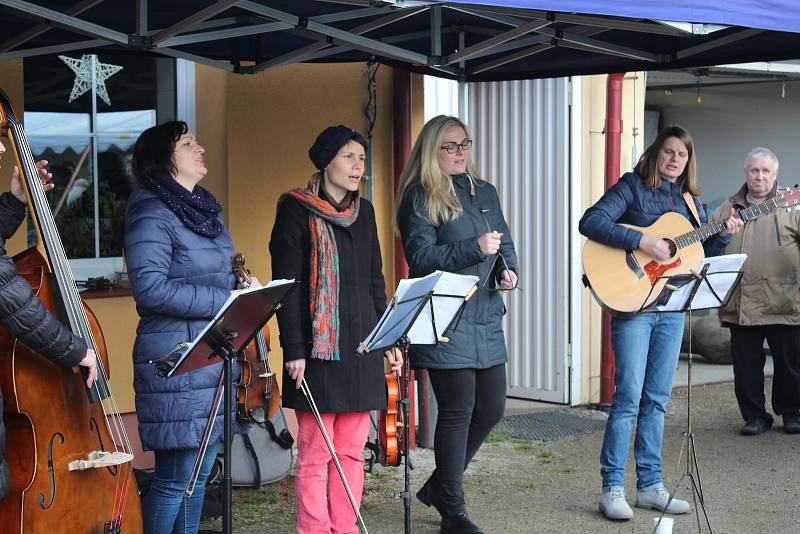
x=314, y=410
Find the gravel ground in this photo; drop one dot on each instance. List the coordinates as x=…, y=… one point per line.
x=751, y=484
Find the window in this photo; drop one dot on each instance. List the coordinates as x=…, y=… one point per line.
x=88, y=144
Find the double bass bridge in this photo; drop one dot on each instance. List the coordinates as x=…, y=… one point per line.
x=98, y=459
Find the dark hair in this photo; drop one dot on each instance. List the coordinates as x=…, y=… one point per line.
x=647, y=167
x=153, y=151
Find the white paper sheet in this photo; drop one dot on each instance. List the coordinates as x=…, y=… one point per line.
x=234, y=294
x=403, y=314
x=722, y=273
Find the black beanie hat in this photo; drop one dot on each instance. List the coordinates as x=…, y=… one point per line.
x=329, y=142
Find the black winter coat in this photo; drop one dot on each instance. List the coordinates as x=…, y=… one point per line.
x=356, y=382
x=23, y=316
x=476, y=340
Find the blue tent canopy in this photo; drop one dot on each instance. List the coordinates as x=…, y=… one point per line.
x=470, y=41
x=780, y=15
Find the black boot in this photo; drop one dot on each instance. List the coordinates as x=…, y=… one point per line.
x=428, y=495
x=459, y=524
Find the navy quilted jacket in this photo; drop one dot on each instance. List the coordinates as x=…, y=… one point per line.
x=180, y=280
x=476, y=340
x=630, y=201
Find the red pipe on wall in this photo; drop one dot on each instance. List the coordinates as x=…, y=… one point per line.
x=401, y=81
x=613, y=142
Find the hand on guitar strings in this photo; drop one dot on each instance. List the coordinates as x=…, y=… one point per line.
x=395, y=357
x=16, y=184
x=655, y=247
x=732, y=224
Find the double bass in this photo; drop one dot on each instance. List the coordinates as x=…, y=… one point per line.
x=67, y=447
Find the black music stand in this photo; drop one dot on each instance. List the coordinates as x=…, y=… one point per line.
x=236, y=324
x=420, y=313
x=711, y=286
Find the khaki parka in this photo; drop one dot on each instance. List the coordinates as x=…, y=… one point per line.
x=769, y=292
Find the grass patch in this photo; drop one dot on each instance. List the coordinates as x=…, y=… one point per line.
x=498, y=437
x=524, y=446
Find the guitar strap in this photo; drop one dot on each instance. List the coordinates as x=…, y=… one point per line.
x=689, y=199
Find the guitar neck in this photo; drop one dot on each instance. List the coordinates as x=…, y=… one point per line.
x=713, y=228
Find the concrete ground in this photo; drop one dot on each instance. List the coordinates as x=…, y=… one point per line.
x=750, y=484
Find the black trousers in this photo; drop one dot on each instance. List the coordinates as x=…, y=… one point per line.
x=471, y=402
x=747, y=348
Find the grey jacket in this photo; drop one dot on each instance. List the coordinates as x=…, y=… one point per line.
x=476, y=339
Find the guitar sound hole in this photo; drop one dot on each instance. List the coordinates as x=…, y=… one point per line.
x=673, y=248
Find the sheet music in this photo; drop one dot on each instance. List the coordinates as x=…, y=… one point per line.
x=721, y=275
x=232, y=297
x=444, y=308
x=401, y=314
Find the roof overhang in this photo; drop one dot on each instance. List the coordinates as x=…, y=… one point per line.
x=493, y=40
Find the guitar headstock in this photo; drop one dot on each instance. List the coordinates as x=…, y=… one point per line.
x=788, y=198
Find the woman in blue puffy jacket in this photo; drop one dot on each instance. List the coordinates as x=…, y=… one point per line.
x=647, y=345
x=179, y=262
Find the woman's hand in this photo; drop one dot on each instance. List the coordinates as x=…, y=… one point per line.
x=253, y=282
x=395, y=357
x=733, y=224
x=656, y=247
x=16, y=183
x=508, y=279
x=489, y=242
x=90, y=362
x=296, y=370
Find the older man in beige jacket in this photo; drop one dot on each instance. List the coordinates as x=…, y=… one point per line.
x=766, y=304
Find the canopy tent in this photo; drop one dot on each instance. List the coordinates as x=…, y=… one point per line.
x=480, y=41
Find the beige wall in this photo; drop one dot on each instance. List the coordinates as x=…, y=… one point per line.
x=592, y=171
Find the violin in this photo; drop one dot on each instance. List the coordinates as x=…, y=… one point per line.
x=67, y=446
x=390, y=424
x=257, y=395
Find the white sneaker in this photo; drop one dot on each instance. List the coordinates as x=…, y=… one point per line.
x=614, y=505
x=659, y=499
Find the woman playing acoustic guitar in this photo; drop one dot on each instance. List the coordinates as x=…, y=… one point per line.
x=646, y=346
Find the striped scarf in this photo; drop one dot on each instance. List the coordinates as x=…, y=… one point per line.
x=324, y=282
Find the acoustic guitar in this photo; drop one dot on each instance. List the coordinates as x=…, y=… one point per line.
x=625, y=282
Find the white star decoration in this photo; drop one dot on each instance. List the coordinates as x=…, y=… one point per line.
x=83, y=75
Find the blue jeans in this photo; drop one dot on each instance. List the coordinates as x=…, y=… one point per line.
x=646, y=349
x=165, y=509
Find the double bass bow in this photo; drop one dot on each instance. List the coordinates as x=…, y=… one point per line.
x=68, y=450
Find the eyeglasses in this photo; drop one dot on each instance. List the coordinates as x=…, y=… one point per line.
x=452, y=148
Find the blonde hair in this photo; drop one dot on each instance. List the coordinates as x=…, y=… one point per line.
x=647, y=167
x=441, y=202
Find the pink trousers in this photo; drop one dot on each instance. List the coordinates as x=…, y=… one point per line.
x=322, y=504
